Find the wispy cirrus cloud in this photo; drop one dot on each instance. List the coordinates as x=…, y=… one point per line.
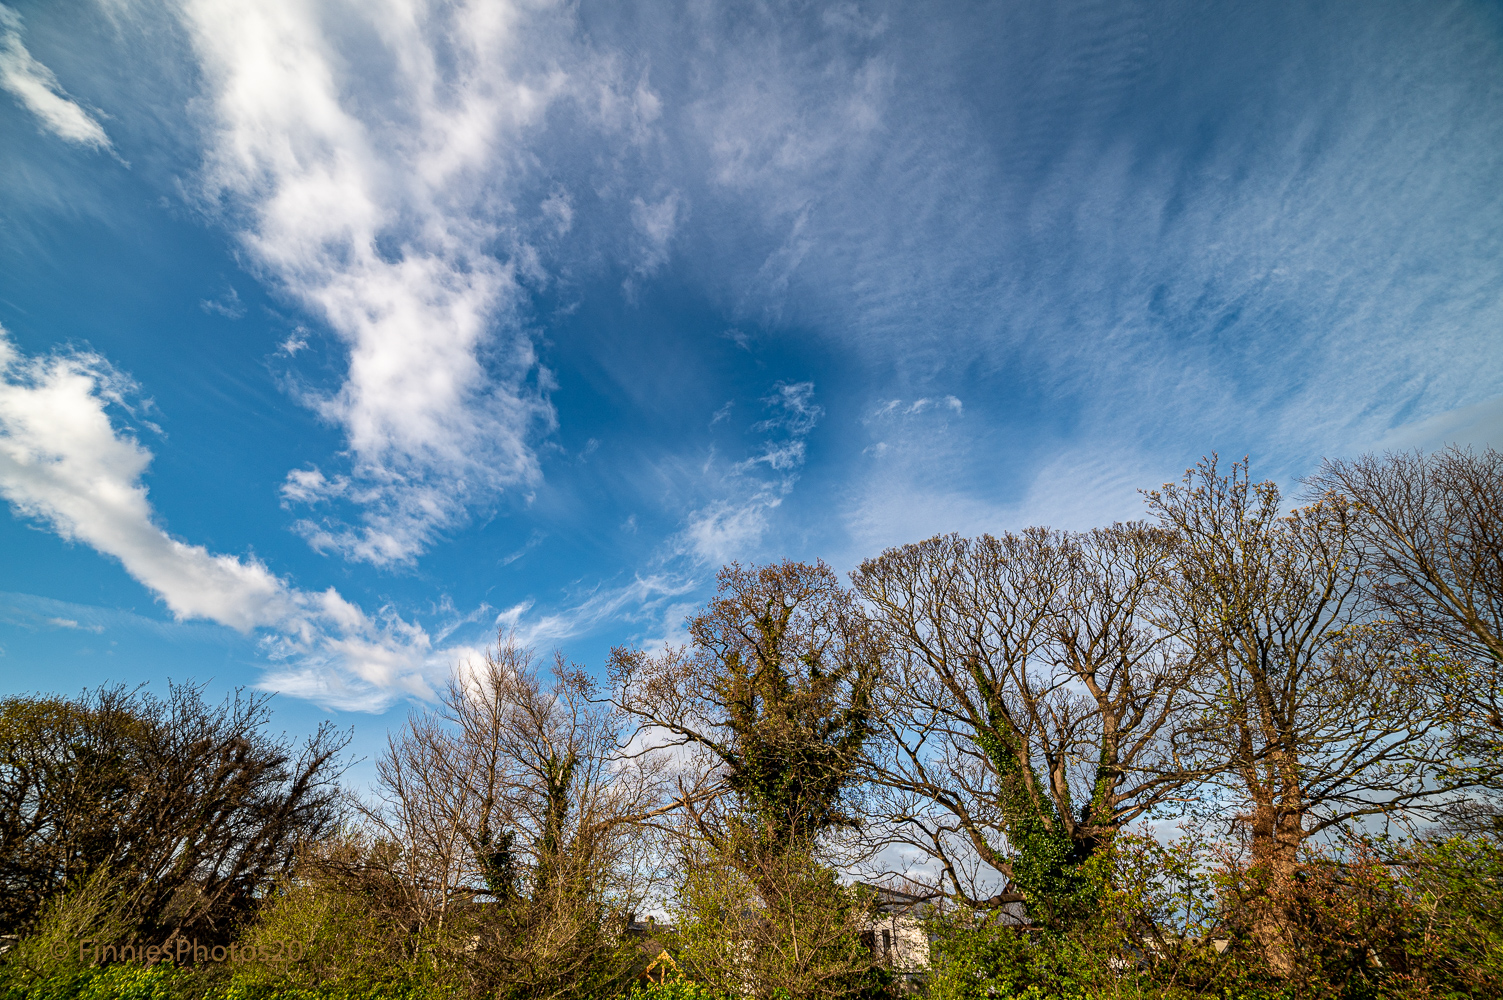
x=36, y=87
x=930, y=468
x=1478, y=425
x=1181, y=246
x=65, y=463
x=655, y=223
x=733, y=524
x=645, y=597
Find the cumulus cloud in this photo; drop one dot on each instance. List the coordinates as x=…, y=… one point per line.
x=36, y=87
x=361, y=152
x=65, y=463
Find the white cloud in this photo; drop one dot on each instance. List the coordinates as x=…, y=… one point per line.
x=558, y=207
x=778, y=113
x=725, y=529
x=794, y=409
x=644, y=595
x=533, y=541
x=1187, y=276
x=361, y=151
x=311, y=485
x=930, y=473
x=732, y=526
x=655, y=223
x=228, y=305
x=36, y=87
x=782, y=456
x=64, y=463
x=72, y=623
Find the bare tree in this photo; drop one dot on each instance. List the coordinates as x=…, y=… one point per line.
x=514, y=791
x=194, y=808
x=1027, y=712
x=1432, y=531
x=1302, y=700
x=425, y=814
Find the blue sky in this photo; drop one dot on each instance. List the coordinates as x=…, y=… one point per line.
x=338, y=335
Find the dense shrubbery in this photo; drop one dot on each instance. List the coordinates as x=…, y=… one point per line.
x=1008, y=711
x=1419, y=920
x=1407, y=921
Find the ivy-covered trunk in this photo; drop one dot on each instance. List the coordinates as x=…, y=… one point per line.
x=1047, y=865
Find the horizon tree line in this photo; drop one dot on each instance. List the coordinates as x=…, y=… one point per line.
x=1004, y=711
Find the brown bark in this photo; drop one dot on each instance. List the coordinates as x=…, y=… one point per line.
x=1303, y=702
x=1276, y=827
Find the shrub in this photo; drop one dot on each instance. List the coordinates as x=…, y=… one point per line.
x=676, y=989
x=786, y=928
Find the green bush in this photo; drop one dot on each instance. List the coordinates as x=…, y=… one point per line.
x=328, y=938
x=270, y=989
x=676, y=989
x=1455, y=925
x=787, y=927
x=1371, y=920
x=47, y=963
x=125, y=981
x=1377, y=920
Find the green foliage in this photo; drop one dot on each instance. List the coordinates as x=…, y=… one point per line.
x=977, y=959
x=163, y=981
x=1371, y=921
x=51, y=953
x=799, y=722
x=789, y=930
x=1047, y=867
x=394, y=990
x=114, y=982
x=194, y=808
x=778, y=686
x=677, y=988
x=1457, y=890
x=332, y=940
x=349, y=940
x=48, y=963
x=1421, y=919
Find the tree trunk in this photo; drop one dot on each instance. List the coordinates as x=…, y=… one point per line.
x=1277, y=830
